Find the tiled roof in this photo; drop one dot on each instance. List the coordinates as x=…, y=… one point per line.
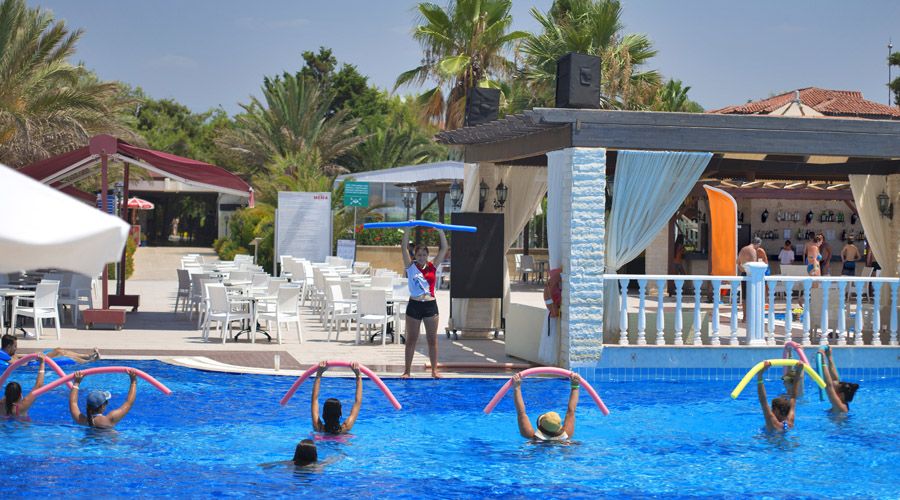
x=836, y=103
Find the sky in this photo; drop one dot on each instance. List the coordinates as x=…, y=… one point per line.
x=207, y=54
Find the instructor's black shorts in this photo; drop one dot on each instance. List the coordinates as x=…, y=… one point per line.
x=420, y=310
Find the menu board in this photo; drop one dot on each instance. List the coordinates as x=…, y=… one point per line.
x=303, y=225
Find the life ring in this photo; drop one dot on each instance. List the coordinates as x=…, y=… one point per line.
x=103, y=369
x=775, y=362
x=546, y=370
x=25, y=359
x=362, y=368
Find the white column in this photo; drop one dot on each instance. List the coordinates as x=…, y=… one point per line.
x=770, y=340
x=858, y=320
x=842, y=320
x=717, y=290
x=823, y=330
x=623, y=312
x=642, y=313
x=807, y=305
x=756, y=292
x=678, y=319
x=698, y=339
x=789, y=315
x=660, y=313
x=894, y=286
x=876, y=314
x=735, y=289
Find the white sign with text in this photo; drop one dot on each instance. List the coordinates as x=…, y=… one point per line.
x=303, y=225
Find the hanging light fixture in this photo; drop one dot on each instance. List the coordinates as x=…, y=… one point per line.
x=502, y=192
x=409, y=198
x=482, y=194
x=885, y=206
x=456, y=195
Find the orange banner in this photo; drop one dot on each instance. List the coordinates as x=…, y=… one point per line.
x=722, y=232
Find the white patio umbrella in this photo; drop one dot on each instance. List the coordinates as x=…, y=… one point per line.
x=41, y=227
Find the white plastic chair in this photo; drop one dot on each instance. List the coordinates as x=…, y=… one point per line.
x=204, y=299
x=184, y=289
x=197, y=292
x=44, y=306
x=259, y=283
x=79, y=293
x=287, y=310
x=372, y=310
x=527, y=267
x=224, y=310
x=340, y=308
x=382, y=282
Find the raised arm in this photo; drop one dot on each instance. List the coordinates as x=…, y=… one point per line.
x=831, y=365
x=314, y=402
x=357, y=403
x=798, y=384
x=442, y=251
x=77, y=416
x=569, y=422
x=830, y=380
x=119, y=413
x=28, y=400
x=404, y=249
x=771, y=421
x=525, y=428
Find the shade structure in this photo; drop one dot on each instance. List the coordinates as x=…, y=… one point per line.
x=41, y=227
x=139, y=204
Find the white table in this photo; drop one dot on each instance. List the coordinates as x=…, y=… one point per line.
x=11, y=293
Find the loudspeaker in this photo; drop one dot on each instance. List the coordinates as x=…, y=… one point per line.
x=477, y=258
x=482, y=105
x=578, y=81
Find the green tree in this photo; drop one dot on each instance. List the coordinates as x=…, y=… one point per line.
x=590, y=27
x=393, y=143
x=464, y=47
x=48, y=105
x=894, y=60
x=169, y=126
x=673, y=96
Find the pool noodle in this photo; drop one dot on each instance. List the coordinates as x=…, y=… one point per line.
x=820, y=369
x=786, y=354
x=26, y=358
x=546, y=370
x=775, y=362
x=414, y=223
x=367, y=372
x=99, y=370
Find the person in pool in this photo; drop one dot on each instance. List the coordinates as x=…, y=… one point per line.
x=306, y=453
x=9, y=345
x=330, y=423
x=97, y=402
x=839, y=393
x=13, y=404
x=549, y=425
x=780, y=416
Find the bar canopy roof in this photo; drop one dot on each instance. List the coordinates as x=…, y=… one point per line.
x=745, y=147
x=67, y=168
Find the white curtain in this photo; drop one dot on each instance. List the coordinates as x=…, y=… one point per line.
x=527, y=186
x=648, y=188
x=548, y=351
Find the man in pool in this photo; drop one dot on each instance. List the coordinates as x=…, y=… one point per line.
x=9, y=346
x=549, y=426
x=330, y=423
x=97, y=402
x=840, y=394
x=780, y=417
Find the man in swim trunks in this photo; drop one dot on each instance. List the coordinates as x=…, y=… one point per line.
x=549, y=426
x=849, y=256
x=747, y=254
x=780, y=417
x=9, y=345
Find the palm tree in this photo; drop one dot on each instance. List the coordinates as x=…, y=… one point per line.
x=291, y=125
x=673, y=96
x=590, y=27
x=463, y=46
x=48, y=105
x=393, y=144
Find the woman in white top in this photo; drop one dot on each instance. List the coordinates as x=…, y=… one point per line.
x=786, y=255
x=422, y=307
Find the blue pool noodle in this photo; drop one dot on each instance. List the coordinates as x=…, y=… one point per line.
x=414, y=223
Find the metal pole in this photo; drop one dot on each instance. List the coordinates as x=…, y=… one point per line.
x=890, y=47
x=121, y=276
x=354, y=224
x=104, y=188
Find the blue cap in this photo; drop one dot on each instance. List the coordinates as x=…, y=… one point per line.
x=96, y=399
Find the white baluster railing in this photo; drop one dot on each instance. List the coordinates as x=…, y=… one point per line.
x=842, y=320
x=735, y=289
x=679, y=283
x=894, y=286
x=876, y=313
x=642, y=313
x=660, y=314
x=807, y=309
x=858, y=320
x=770, y=339
x=717, y=291
x=698, y=339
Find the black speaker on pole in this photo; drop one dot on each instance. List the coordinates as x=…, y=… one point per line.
x=578, y=81
x=482, y=105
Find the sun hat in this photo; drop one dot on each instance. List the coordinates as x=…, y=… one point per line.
x=549, y=426
x=96, y=399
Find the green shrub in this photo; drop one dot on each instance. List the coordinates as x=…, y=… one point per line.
x=130, y=247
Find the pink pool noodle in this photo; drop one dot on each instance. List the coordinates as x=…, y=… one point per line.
x=367, y=372
x=546, y=370
x=26, y=358
x=103, y=369
x=786, y=354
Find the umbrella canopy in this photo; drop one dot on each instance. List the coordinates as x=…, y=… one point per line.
x=139, y=204
x=41, y=227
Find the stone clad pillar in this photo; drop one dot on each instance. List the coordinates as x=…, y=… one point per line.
x=582, y=238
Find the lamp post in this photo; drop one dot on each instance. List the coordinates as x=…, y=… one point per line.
x=502, y=192
x=456, y=195
x=409, y=198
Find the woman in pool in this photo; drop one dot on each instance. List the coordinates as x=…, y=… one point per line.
x=549, y=426
x=839, y=393
x=97, y=402
x=330, y=423
x=422, y=306
x=13, y=404
x=780, y=416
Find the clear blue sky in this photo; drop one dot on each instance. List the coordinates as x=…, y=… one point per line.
x=207, y=53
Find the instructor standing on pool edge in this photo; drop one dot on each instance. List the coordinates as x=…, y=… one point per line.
x=422, y=307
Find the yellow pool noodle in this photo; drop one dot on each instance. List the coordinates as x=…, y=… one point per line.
x=775, y=362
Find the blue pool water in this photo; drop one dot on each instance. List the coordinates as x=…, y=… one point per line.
x=662, y=439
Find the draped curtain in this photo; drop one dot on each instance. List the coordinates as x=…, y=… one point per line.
x=866, y=189
x=649, y=187
x=548, y=351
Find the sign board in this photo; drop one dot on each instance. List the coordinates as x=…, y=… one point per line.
x=303, y=225
x=356, y=194
x=346, y=249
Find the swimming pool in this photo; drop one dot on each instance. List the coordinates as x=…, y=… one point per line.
x=662, y=439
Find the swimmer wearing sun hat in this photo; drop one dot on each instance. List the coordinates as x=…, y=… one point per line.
x=549, y=425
